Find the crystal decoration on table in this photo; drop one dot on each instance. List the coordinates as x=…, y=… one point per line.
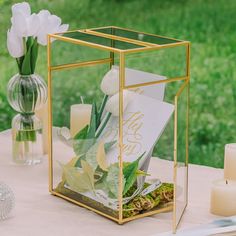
x=27, y=91
x=7, y=201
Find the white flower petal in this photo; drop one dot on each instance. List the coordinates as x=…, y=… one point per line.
x=42, y=38
x=49, y=24
x=110, y=82
x=44, y=14
x=63, y=28
x=112, y=104
x=33, y=24
x=19, y=24
x=15, y=44
x=23, y=7
x=54, y=22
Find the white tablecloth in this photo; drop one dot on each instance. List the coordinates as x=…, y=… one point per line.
x=39, y=213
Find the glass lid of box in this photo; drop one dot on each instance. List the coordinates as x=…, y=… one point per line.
x=100, y=41
x=135, y=35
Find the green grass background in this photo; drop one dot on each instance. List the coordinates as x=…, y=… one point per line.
x=210, y=25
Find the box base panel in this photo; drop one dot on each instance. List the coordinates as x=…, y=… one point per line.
x=99, y=208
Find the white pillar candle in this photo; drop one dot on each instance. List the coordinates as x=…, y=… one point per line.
x=223, y=198
x=79, y=117
x=230, y=161
x=42, y=114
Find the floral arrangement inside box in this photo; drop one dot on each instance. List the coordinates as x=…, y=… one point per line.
x=94, y=172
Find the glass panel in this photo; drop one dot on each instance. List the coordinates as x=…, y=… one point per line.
x=166, y=63
x=79, y=169
x=137, y=36
x=100, y=40
x=149, y=131
x=65, y=53
x=181, y=150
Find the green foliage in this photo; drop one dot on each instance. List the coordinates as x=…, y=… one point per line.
x=112, y=180
x=129, y=172
x=93, y=122
x=108, y=145
x=28, y=62
x=104, y=101
x=82, y=133
x=209, y=26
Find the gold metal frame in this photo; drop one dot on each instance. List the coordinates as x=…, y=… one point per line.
x=144, y=46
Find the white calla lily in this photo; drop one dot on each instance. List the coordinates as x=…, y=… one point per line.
x=112, y=104
x=49, y=24
x=15, y=44
x=110, y=82
x=23, y=22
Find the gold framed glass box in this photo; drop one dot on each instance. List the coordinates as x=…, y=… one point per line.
x=118, y=97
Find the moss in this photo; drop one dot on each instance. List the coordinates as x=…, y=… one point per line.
x=162, y=195
x=157, y=198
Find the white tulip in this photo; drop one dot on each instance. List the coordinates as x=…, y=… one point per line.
x=110, y=82
x=23, y=23
x=112, y=104
x=49, y=24
x=15, y=44
x=23, y=7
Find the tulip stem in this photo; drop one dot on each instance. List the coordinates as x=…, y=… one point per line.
x=103, y=125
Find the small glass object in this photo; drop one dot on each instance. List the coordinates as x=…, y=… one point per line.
x=26, y=94
x=7, y=201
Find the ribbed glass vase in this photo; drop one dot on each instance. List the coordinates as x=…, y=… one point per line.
x=26, y=94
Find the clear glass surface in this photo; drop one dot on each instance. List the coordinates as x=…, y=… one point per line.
x=27, y=144
x=26, y=94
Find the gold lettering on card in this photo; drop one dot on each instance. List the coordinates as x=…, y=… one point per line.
x=138, y=90
x=132, y=133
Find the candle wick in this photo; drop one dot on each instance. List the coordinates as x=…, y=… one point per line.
x=82, y=100
x=226, y=181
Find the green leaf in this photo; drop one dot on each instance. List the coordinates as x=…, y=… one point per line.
x=82, y=134
x=90, y=156
x=78, y=162
x=101, y=183
x=93, y=122
x=79, y=180
x=19, y=63
x=108, y=145
x=103, y=125
x=34, y=55
x=81, y=146
x=141, y=173
x=129, y=172
x=99, y=116
x=95, y=156
x=26, y=135
x=112, y=179
x=28, y=132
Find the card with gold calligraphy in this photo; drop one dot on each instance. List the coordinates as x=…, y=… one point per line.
x=143, y=123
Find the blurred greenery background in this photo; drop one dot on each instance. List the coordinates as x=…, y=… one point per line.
x=210, y=25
